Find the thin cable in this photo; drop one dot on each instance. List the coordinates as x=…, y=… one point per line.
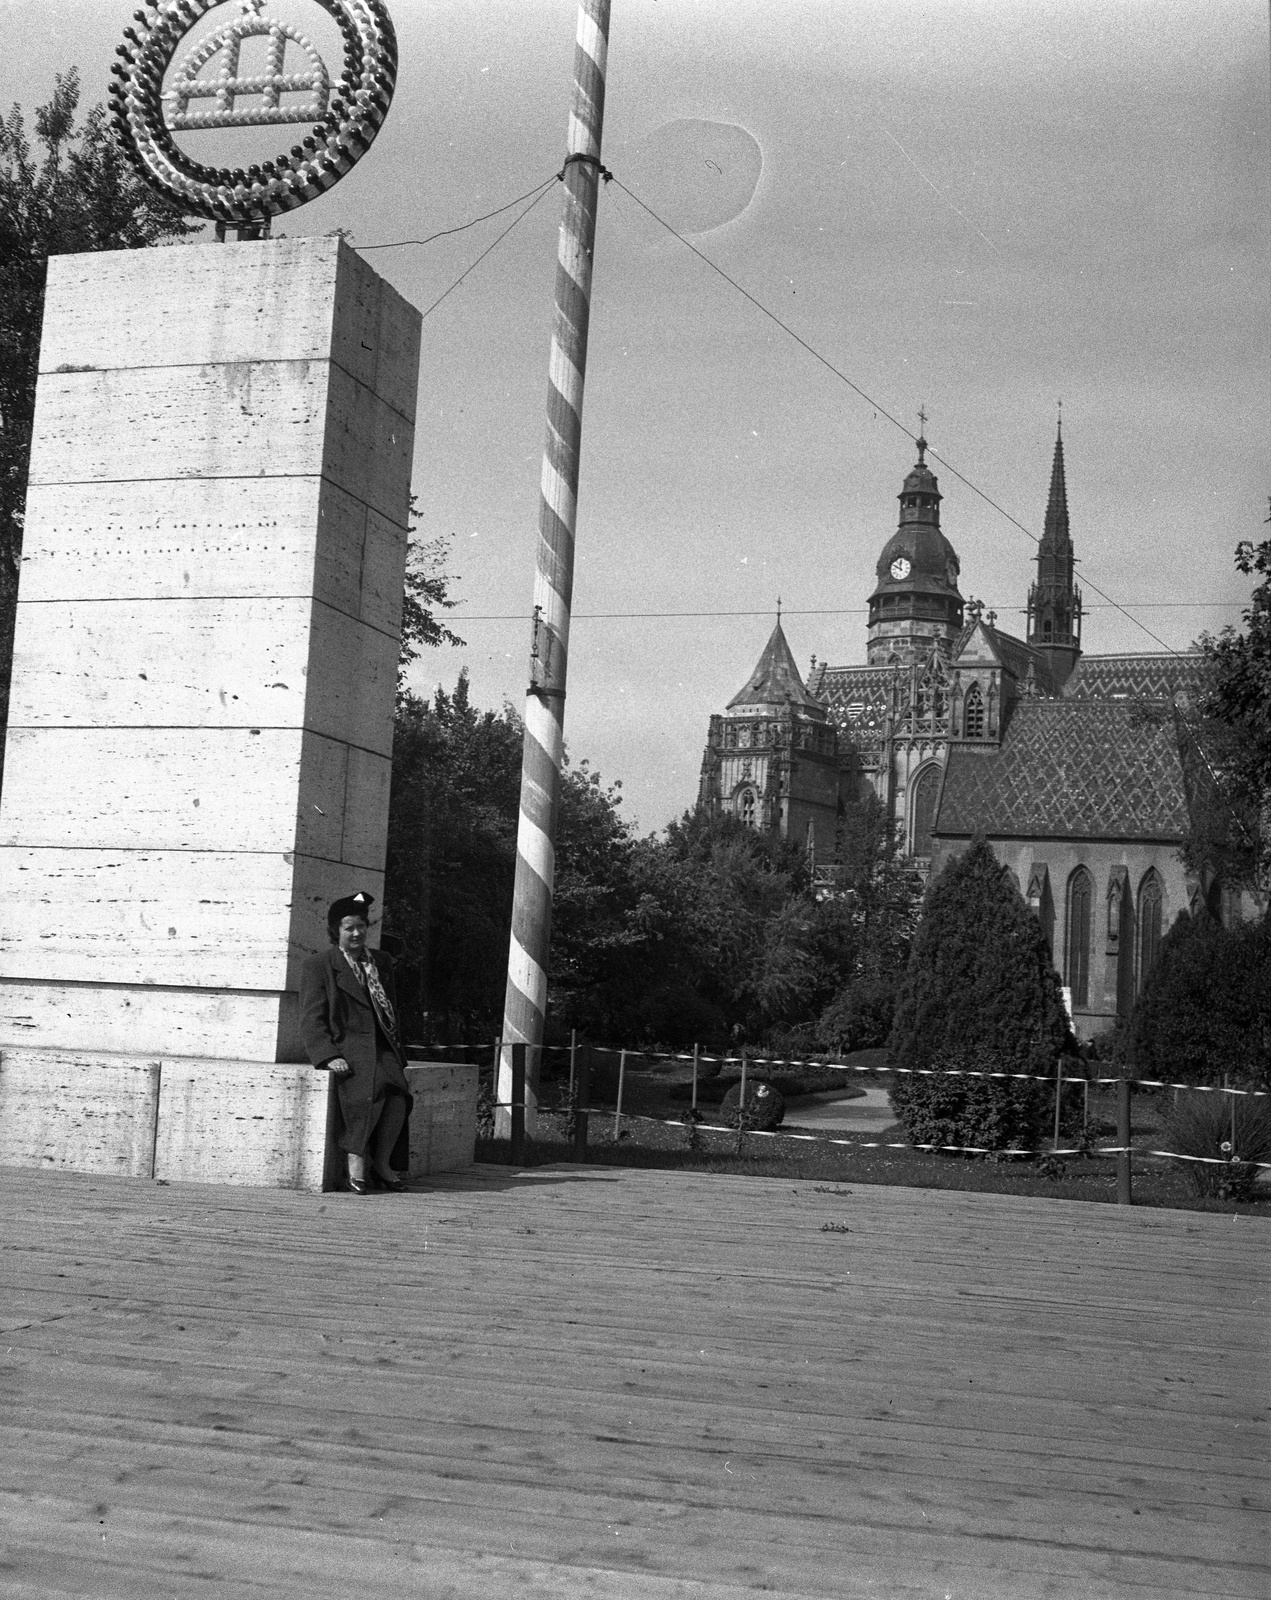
x=881, y=409
x=444, y=233
x=792, y=611
x=520, y=217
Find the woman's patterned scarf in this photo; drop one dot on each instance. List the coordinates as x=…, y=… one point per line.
x=368, y=976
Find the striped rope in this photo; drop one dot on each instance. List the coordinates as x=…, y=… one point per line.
x=525, y=1003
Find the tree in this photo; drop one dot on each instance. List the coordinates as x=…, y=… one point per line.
x=1204, y=1014
x=451, y=859
x=451, y=867
x=1231, y=828
x=979, y=994
x=427, y=590
x=74, y=193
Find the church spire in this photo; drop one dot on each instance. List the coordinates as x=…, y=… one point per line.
x=1055, y=534
x=1054, y=601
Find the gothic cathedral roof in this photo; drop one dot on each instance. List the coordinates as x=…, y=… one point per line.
x=776, y=681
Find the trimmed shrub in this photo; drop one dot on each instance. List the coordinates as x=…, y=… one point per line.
x=1201, y=1124
x=1205, y=1010
x=979, y=993
x=980, y=974
x=941, y=1107
x=765, y=1107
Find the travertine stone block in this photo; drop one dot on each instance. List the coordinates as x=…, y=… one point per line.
x=443, y=1119
x=241, y=1122
x=206, y=645
x=80, y=1113
x=131, y=1018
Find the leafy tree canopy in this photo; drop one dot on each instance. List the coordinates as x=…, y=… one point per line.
x=1232, y=816
x=711, y=933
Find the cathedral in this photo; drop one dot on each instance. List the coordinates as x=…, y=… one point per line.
x=1076, y=768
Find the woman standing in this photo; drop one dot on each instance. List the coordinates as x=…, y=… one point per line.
x=349, y=1026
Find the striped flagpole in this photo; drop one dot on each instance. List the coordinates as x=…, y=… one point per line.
x=526, y=1001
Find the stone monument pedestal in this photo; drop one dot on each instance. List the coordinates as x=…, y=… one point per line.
x=201, y=713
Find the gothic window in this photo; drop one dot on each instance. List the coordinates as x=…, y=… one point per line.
x=746, y=807
x=973, y=713
x=1080, y=904
x=1150, y=900
x=923, y=810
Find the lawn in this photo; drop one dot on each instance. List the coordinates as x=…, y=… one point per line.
x=651, y=1134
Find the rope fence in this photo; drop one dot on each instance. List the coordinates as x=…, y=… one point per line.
x=577, y=1109
x=758, y=1063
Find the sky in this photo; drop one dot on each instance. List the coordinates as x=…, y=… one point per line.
x=980, y=207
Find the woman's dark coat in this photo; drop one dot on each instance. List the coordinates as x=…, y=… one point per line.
x=337, y=1019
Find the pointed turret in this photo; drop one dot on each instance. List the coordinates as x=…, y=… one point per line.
x=1054, y=601
x=772, y=759
x=776, y=680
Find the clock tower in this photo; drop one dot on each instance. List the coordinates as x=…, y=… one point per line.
x=915, y=607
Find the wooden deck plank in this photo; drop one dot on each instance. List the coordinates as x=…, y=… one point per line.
x=628, y=1383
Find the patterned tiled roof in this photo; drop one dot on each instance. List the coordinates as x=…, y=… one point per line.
x=1084, y=769
x=855, y=696
x=1151, y=676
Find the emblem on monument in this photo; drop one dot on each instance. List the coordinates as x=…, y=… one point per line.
x=255, y=73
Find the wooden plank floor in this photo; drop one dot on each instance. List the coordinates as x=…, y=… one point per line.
x=628, y=1386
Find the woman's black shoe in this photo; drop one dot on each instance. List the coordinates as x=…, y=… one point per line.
x=392, y=1185
x=359, y=1186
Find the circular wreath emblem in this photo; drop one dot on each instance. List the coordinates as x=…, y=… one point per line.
x=344, y=118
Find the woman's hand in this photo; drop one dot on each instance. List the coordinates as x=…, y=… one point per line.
x=338, y=1067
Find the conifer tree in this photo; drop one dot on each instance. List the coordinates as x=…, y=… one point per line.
x=980, y=994
x=1204, y=1014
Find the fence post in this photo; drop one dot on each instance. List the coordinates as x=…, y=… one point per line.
x=1059, y=1092
x=1124, y=1196
x=580, y=1107
x=694, y=1104
x=622, y=1074
x=573, y=1059
x=518, y=1105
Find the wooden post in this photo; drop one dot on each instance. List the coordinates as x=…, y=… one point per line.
x=1059, y=1093
x=573, y=1059
x=1124, y=1196
x=694, y=1103
x=525, y=998
x=622, y=1074
x=518, y=1105
x=580, y=1109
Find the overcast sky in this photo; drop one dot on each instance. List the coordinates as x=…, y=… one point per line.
x=981, y=207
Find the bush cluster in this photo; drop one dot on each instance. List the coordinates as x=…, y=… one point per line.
x=765, y=1107
x=1201, y=1125
x=938, y=1107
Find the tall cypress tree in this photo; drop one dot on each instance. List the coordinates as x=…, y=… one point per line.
x=979, y=994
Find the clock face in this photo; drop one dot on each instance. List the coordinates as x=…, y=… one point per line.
x=900, y=568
